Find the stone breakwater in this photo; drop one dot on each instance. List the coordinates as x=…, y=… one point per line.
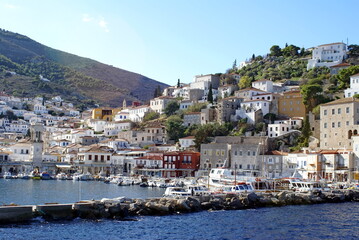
x=124, y=208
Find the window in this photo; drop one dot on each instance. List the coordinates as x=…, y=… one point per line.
x=325, y=125
x=90, y=157
x=333, y=124
x=347, y=110
x=339, y=110
x=108, y=158
x=338, y=124
x=325, y=112
x=333, y=111
x=240, y=153
x=248, y=153
x=347, y=123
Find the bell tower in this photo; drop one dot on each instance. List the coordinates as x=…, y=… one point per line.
x=36, y=133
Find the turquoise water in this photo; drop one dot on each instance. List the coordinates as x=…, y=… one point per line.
x=20, y=191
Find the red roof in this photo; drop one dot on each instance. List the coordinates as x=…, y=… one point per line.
x=341, y=65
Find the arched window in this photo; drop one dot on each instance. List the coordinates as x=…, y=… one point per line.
x=355, y=132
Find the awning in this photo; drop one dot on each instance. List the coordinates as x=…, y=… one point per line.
x=64, y=166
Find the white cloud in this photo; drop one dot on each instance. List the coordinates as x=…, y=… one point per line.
x=10, y=6
x=99, y=21
x=86, y=18
x=103, y=24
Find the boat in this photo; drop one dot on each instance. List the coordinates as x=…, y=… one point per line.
x=177, y=192
x=303, y=186
x=61, y=176
x=242, y=187
x=45, y=176
x=7, y=175
x=198, y=190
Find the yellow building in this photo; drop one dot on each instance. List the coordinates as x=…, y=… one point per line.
x=102, y=113
x=291, y=104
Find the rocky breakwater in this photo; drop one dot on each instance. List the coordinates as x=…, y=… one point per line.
x=122, y=208
x=126, y=208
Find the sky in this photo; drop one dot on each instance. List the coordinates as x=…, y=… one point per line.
x=168, y=40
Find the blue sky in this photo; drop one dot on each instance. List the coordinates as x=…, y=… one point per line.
x=170, y=39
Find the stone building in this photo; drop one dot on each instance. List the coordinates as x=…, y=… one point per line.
x=339, y=122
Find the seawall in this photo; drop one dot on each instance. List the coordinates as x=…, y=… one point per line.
x=124, y=208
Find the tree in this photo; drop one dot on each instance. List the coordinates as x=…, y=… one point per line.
x=276, y=51
x=210, y=94
x=175, y=128
x=245, y=82
x=353, y=50
x=178, y=83
x=306, y=132
x=171, y=108
x=157, y=92
x=290, y=50
x=344, y=76
x=205, y=132
x=197, y=107
x=150, y=116
x=310, y=95
x=234, y=66
x=253, y=57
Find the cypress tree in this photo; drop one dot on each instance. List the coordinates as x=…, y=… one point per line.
x=210, y=94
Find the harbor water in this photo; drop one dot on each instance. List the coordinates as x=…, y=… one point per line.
x=322, y=221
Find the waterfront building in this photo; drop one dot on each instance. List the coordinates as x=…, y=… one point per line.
x=339, y=122
x=180, y=163
x=95, y=160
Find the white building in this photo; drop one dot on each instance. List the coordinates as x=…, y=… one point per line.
x=264, y=85
x=185, y=104
x=40, y=109
x=122, y=115
x=187, y=142
x=96, y=125
x=354, y=86
x=281, y=127
x=136, y=114
x=159, y=104
x=113, y=128
x=328, y=55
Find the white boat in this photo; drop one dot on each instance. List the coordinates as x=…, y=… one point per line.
x=302, y=186
x=177, y=192
x=85, y=177
x=239, y=188
x=7, y=175
x=61, y=176
x=198, y=190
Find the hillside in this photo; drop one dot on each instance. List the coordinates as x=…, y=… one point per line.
x=73, y=77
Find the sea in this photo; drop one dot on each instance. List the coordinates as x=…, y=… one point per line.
x=322, y=221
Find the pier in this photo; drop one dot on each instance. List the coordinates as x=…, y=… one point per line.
x=123, y=208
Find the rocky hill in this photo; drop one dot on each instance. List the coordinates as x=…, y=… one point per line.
x=74, y=78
